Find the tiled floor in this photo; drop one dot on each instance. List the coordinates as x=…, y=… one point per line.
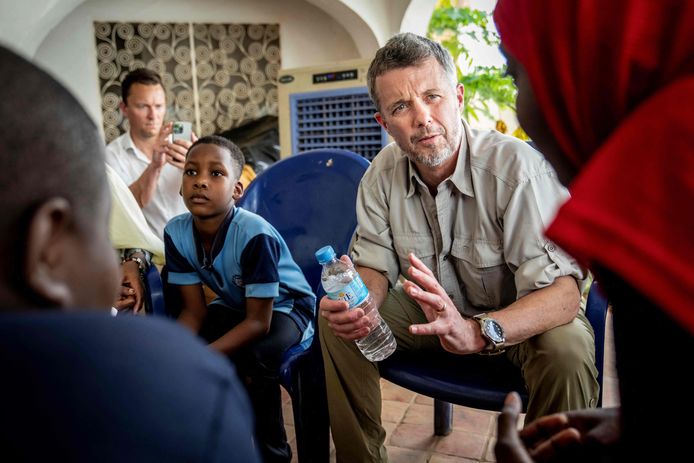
x=408, y=419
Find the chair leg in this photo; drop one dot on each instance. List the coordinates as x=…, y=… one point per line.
x=310, y=409
x=443, y=417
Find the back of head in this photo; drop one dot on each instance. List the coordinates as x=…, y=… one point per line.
x=404, y=50
x=49, y=148
x=237, y=158
x=139, y=76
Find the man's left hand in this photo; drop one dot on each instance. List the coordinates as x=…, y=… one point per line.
x=131, y=280
x=457, y=334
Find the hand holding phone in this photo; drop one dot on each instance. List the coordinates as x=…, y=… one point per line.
x=182, y=137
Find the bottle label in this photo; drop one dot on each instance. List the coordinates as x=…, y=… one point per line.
x=355, y=292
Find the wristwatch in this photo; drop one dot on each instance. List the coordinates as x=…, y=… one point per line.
x=493, y=333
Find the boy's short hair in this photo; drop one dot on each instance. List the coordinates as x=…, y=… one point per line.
x=237, y=158
x=139, y=76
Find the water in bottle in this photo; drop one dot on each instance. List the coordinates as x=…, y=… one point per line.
x=342, y=282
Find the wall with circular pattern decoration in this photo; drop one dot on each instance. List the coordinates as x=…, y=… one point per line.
x=218, y=76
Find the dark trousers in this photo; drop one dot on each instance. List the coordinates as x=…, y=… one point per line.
x=654, y=355
x=257, y=365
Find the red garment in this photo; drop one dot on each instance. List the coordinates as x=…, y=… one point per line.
x=615, y=82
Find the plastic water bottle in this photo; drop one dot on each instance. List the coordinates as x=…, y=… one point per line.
x=342, y=282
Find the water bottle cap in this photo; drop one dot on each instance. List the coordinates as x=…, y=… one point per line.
x=325, y=254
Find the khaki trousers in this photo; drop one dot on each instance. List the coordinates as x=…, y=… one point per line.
x=558, y=366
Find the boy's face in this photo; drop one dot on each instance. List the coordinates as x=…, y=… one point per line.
x=210, y=182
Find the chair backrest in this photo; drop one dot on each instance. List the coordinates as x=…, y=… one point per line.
x=154, y=292
x=310, y=199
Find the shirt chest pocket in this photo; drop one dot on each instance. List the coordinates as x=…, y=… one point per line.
x=421, y=246
x=488, y=281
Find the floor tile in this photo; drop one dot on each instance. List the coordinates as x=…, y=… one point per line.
x=390, y=391
x=419, y=414
x=392, y=411
x=402, y=455
x=291, y=432
x=489, y=454
x=440, y=458
x=473, y=420
x=288, y=413
x=389, y=427
x=413, y=436
x=463, y=444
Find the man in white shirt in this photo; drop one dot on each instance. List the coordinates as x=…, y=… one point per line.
x=143, y=157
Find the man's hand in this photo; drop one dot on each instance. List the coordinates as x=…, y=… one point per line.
x=579, y=435
x=346, y=324
x=126, y=299
x=132, y=292
x=176, y=151
x=457, y=334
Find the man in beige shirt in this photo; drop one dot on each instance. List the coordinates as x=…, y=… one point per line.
x=460, y=215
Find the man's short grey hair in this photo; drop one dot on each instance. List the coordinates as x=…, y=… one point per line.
x=405, y=50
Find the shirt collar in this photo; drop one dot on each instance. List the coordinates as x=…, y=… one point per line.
x=218, y=242
x=129, y=145
x=462, y=175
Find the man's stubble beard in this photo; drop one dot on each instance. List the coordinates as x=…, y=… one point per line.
x=439, y=156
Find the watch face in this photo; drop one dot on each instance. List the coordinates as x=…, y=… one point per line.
x=494, y=330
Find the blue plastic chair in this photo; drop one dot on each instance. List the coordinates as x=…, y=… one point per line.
x=477, y=381
x=310, y=199
x=154, y=292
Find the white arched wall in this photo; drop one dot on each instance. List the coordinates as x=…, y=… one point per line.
x=24, y=24
x=308, y=36
x=417, y=16
x=58, y=33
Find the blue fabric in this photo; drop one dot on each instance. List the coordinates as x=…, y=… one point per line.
x=249, y=258
x=87, y=387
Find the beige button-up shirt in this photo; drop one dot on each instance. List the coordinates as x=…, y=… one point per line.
x=481, y=234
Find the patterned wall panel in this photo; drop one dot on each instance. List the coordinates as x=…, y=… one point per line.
x=218, y=76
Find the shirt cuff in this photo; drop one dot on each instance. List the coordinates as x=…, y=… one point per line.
x=184, y=279
x=263, y=290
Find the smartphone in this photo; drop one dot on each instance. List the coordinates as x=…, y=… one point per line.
x=182, y=130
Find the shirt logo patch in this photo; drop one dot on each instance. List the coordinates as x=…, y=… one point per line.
x=238, y=281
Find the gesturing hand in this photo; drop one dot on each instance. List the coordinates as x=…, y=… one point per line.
x=456, y=333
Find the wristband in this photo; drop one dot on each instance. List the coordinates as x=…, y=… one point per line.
x=141, y=264
x=129, y=252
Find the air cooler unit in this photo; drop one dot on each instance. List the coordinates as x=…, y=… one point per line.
x=328, y=107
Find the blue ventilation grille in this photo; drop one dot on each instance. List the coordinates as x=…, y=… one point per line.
x=341, y=118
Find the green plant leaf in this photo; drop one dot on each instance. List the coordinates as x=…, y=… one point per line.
x=452, y=27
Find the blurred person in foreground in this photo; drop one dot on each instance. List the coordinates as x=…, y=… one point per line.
x=80, y=385
x=605, y=89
